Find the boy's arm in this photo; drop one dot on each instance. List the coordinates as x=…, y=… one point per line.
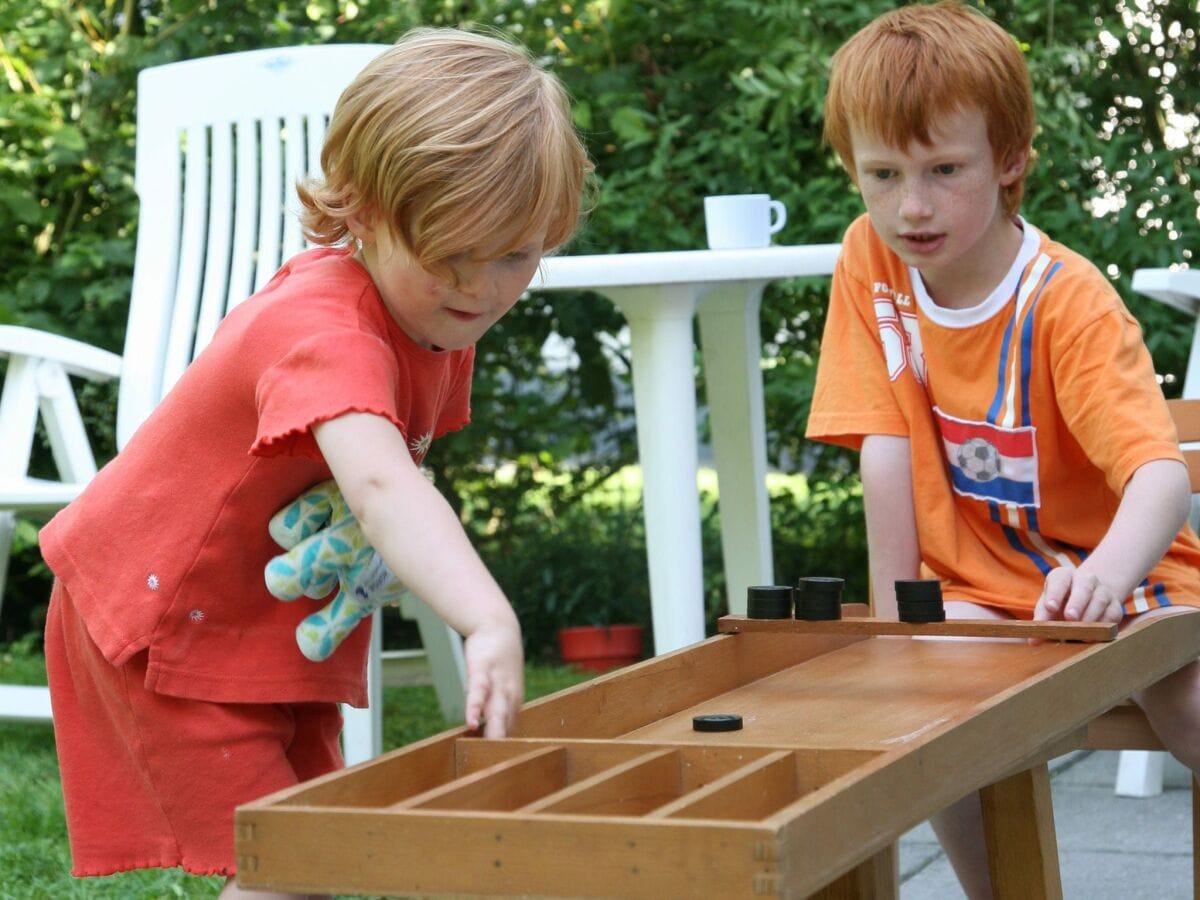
x=886, y=468
x=421, y=540
x=1153, y=508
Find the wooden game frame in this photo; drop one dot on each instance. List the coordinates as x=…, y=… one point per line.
x=851, y=737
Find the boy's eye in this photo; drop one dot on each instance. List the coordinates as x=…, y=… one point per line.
x=946, y=169
x=882, y=174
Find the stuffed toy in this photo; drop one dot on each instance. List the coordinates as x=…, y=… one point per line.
x=326, y=549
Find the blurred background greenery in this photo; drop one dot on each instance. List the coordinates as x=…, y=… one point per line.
x=676, y=99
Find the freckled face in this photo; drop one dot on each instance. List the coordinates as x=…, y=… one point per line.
x=938, y=206
x=434, y=312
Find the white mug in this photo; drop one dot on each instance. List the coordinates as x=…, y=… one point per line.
x=738, y=221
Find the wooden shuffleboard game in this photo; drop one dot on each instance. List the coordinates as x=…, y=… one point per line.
x=850, y=733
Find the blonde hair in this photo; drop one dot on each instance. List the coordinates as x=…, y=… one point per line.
x=915, y=64
x=450, y=139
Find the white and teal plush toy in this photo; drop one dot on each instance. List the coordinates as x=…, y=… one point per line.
x=325, y=549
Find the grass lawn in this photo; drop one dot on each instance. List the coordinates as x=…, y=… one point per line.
x=35, y=860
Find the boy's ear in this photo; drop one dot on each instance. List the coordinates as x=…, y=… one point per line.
x=362, y=225
x=1014, y=168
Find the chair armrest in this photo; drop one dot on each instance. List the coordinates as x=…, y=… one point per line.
x=1179, y=288
x=76, y=357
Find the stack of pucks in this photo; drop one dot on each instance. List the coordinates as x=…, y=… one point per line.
x=769, y=601
x=920, y=600
x=818, y=598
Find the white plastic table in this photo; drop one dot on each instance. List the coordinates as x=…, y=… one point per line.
x=659, y=294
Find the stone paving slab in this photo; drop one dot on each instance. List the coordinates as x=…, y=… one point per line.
x=1110, y=847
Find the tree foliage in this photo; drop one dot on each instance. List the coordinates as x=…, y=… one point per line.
x=676, y=99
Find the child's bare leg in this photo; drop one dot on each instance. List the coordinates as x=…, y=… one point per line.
x=232, y=892
x=959, y=827
x=1172, y=707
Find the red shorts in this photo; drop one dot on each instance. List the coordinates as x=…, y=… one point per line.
x=151, y=780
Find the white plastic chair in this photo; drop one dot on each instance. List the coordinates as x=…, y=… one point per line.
x=1140, y=772
x=220, y=143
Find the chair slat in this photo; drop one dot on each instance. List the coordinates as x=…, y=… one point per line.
x=294, y=151
x=220, y=235
x=191, y=257
x=1186, y=414
x=270, y=210
x=245, y=226
x=316, y=123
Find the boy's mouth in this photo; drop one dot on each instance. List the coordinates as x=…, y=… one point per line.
x=922, y=241
x=463, y=315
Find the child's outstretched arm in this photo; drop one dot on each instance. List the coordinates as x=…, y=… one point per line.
x=1152, y=510
x=895, y=553
x=422, y=541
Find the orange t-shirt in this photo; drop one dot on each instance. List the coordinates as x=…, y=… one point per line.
x=1027, y=414
x=165, y=548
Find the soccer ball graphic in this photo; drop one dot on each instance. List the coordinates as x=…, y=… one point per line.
x=979, y=460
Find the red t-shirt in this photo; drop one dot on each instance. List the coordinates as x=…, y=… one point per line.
x=165, y=548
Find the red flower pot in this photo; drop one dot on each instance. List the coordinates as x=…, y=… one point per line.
x=599, y=648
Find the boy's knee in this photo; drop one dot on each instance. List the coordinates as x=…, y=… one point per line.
x=1172, y=706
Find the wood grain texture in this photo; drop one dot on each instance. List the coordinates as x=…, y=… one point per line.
x=1018, y=824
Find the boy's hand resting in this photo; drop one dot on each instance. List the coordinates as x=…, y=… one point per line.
x=1074, y=595
x=495, y=677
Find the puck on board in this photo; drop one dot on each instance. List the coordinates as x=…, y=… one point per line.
x=717, y=722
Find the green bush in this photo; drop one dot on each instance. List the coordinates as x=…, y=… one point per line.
x=585, y=564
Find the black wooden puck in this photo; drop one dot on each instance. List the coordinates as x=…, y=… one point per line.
x=819, y=598
x=920, y=600
x=919, y=589
x=770, y=601
x=717, y=722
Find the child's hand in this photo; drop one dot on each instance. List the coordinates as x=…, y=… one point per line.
x=495, y=677
x=1074, y=595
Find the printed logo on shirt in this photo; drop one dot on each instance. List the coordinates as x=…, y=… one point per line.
x=900, y=335
x=419, y=446
x=991, y=463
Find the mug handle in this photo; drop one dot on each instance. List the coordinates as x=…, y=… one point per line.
x=778, y=216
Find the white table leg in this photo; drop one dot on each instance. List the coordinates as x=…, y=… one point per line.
x=362, y=729
x=729, y=333
x=664, y=394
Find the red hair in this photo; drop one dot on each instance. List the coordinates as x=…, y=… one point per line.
x=450, y=139
x=914, y=65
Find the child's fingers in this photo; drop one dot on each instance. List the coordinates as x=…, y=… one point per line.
x=1082, y=590
x=1054, y=593
x=500, y=715
x=477, y=691
x=1103, y=607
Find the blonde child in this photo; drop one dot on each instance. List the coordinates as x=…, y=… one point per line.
x=1014, y=441
x=450, y=168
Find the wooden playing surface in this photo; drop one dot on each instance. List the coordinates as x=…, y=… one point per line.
x=606, y=790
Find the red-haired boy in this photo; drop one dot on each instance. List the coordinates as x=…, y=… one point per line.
x=1015, y=443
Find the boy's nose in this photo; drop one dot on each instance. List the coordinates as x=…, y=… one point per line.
x=914, y=204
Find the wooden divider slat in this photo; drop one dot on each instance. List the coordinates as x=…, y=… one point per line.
x=748, y=793
x=630, y=789
x=504, y=786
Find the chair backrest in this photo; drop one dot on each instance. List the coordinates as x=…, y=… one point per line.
x=1186, y=414
x=221, y=142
